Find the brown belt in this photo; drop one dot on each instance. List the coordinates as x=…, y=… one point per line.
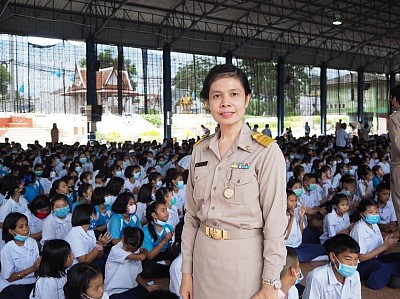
x=223, y=234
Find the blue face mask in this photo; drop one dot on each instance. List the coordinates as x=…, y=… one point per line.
x=312, y=187
x=346, y=171
x=173, y=201
x=83, y=160
x=345, y=192
x=20, y=237
x=118, y=173
x=158, y=184
x=180, y=185
x=298, y=280
x=153, y=197
x=160, y=222
x=372, y=219
x=136, y=175
x=108, y=200
x=298, y=192
x=92, y=224
x=62, y=212
x=345, y=270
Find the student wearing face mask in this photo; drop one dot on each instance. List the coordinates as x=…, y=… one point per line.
x=39, y=209
x=47, y=179
x=339, y=278
x=165, y=194
x=115, y=186
x=101, y=201
x=291, y=276
x=175, y=182
x=162, y=166
x=377, y=269
x=85, y=192
x=132, y=183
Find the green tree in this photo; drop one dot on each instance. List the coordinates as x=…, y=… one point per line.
x=4, y=81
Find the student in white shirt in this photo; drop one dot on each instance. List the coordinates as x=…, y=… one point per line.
x=39, y=209
x=81, y=237
x=384, y=163
x=339, y=278
x=290, y=276
x=58, y=224
x=365, y=187
x=85, y=281
x=52, y=275
x=144, y=199
x=19, y=258
x=166, y=195
x=47, y=179
x=376, y=269
x=341, y=169
x=123, y=267
x=132, y=183
x=116, y=186
x=337, y=221
x=175, y=182
x=348, y=188
x=388, y=219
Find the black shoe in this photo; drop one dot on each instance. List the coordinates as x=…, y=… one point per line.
x=394, y=282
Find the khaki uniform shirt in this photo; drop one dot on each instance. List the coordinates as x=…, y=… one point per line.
x=394, y=134
x=259, y=199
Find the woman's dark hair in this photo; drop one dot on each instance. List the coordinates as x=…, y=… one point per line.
x=133, y=236
x=29, y=178
x=381, y=187
x=339, y=168
x=115, y=185
x=10, y=222
x=336, y=199
x=145, y=193
x=81, y=214
x=364, y=204
x=151, y=208
x=290, y=192
x=342, y=243
x=154, y=176
x=224, y=71
x=57, y=197
x=161, y=193
x=78, y=279
x=46, y=171
x=129, y=171
x=54, y=187
x=98, y=196
x=13, y=183
x=39, y=202
x=119, y=206
x=54, y=256
x=83, y=189
x=172, y=175
x=363, y=170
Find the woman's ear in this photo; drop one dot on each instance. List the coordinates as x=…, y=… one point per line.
x=11, y=232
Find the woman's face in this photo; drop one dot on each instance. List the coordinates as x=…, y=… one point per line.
x=22, y=227
x=95, y=288
x=62, y=188
x=228, y=101
x=59, y=204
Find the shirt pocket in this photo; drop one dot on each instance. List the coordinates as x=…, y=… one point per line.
x=200, y=183
x=245, y=186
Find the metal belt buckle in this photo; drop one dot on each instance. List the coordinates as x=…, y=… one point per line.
x=216, y=233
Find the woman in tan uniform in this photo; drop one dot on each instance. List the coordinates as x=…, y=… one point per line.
x=232, y=240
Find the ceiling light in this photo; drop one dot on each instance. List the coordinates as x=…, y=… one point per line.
x=338, y=20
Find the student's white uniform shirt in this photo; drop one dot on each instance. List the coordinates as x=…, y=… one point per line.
x=46, y=184
x=49, y=287
x=180, y=201
x=59, y=168
x=185, y=162
x=292, y=294
x=141, y=211
x=35, y=224
x=310, y=200
x=16, y=258
x=361, y=189
x=333, y=224
x=121, y=273
x=387, y=213
x=55, y=228
x=322, y=283
x=295, y=237
x=128, y=185
x=81, y=242
x=173, y=217
x=175, y=274
x=336, y=180
x=368, y=239
x=322, y=192
x=385, y=167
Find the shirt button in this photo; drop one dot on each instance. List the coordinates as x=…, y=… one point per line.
x=213, y=208
x=214, y=188
x=219, y=168
x=238, y=181
x=196, y=177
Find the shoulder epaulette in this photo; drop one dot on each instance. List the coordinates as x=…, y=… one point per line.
x=204, y=137
x=262, y=139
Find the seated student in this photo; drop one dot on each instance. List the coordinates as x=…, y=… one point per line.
x=378, y=175
x=132, y=183
x=81, y=237
x=52, y=274
x=324, y=190
x=290, y=276
x=72, y=193
x=115, y=186
x=341, y=168
x=85, y=192
x=19, y=258
x=144, y=199
x=84, y=281
x=124, y=209
x=348, y=188
x=376, y=269
x=388, y=219
x=39, y=209
x=47, y=179
x=175, y=182
x=58, y=224
x=165, y=194
x=123, y=267
x=337, y=221
x=339, y=278
x=32, y=186
x=294, y=231
x=157, y=240
x=175, y=270
x=365, y=187
x=101, y=200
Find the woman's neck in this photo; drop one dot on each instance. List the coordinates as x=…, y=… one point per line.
x=230, y=132
x=85, y=227
x=132, y=180
x=16, y=196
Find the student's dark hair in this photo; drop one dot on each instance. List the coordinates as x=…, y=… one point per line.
x=363, y=170
x=381, y=187
x=153, y=176
x=28, y=178
x=161, y=193
x=339, y=167
x=171, y=175
x=133, y=236
x=78, y=279
x=290, y=192
x=224, y=71
x=46, y=171
x=54, y=187
x=98, y=196
x=151, y=208
x=83, y=188
x=145, y=192
x=162, y=294
x=39, y=202
x=342, y=243
x=119, y=206
x=115, y=185
x=307, y=177
x=185, y=175
x=395, y=92
x=348, y=179
x=336, y=199
x=10, y=222
x=13, y=183
x=365, y=203
x=54, y=256
x=129, y=172
x=376, y=168
x=81, y=214
x=57, y=197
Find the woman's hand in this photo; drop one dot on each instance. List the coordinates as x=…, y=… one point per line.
x=105, y=238
x=266, y=292
x=186, y=290
x=168, y=236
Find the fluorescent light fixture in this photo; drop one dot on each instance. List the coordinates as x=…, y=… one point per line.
x=338, y=20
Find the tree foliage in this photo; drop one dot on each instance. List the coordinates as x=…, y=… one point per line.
x=4, y=81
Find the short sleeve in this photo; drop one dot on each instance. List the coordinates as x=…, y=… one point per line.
x=7, y=263
x=114, y=228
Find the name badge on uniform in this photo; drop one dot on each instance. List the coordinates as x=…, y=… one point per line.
x=240, y=165
x=201, y=164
